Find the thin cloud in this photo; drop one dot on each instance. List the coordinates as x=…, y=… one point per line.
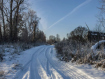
x=43, y=23
x=74, y=10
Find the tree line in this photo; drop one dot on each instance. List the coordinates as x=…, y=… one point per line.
x=18, y=23
x=54, y=39
x=79, y=35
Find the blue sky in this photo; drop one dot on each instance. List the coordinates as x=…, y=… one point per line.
x=63, y=16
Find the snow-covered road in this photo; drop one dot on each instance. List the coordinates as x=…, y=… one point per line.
x=45, y=65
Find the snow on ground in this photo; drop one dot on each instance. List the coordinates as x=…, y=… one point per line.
x=41, y=63
x=12, y=63
x=96, y=45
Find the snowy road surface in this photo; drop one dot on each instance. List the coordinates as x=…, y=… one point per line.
x=45, y=65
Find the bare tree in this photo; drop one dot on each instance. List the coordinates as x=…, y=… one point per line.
x=10, y=24
x=24, y=35
x=98, y=28
x=16, y=15
x=2, y=12
x=101, y=17
x=57, y=38
x=78, y=34
x=33, y=21
x=14, y=21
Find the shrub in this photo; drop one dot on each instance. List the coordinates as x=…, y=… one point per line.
x=74, y=52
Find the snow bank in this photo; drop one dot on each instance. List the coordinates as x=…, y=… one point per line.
x=96, y=45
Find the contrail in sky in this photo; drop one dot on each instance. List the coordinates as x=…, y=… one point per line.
x=74, y=10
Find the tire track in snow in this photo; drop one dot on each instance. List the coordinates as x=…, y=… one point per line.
x=26, y=68
x=53, y=65
x=43, y=62
x=46, y=69
x=34, y=66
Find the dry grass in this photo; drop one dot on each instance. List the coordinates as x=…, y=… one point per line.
x=16, y=66
x=1, y=73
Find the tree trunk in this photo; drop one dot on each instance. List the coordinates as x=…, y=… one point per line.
x=11, y=27
x=34, y=32
x=0, y=34
x=3, y=20
x=16, y=23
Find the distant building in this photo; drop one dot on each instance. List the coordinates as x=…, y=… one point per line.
x=95, y=36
